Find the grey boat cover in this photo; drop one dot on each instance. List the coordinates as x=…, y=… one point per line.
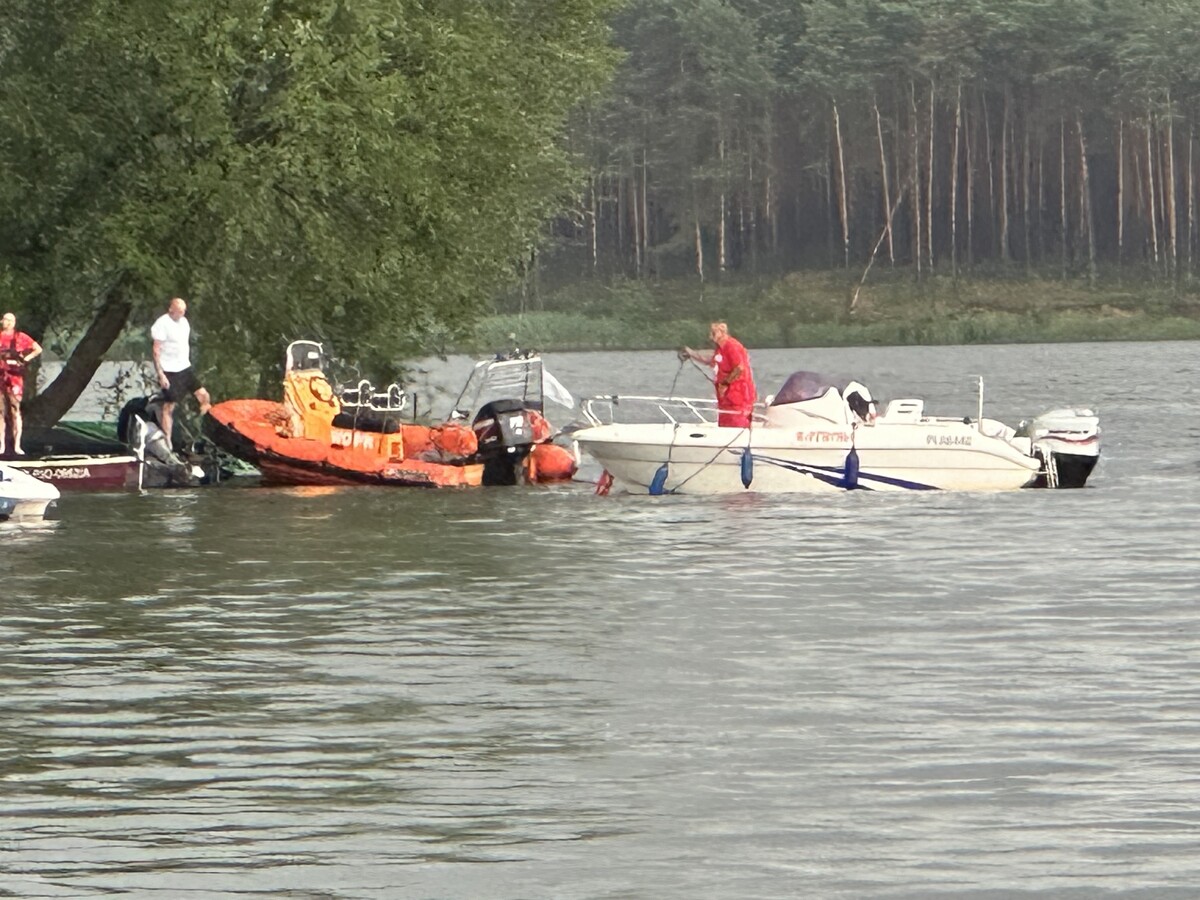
x=806, y=386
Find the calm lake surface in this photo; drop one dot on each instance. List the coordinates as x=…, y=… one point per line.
x=541, y=693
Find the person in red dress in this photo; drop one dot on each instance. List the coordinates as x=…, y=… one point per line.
x=16, y=350
x=732, y=376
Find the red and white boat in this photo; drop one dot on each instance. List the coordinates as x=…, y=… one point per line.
x=82, y=472
x=82, y=456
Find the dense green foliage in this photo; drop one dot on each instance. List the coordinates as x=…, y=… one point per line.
x=366, y=171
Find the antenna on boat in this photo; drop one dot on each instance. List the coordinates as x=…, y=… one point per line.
x=979, y=422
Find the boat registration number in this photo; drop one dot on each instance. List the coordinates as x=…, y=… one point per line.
x=823, y=437
x=66, y=473
x=948, y=440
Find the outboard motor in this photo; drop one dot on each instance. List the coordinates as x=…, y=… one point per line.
x=164, y=466
x=505, y=438
x=1068, y=443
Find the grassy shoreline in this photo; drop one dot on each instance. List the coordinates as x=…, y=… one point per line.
x=812, y=310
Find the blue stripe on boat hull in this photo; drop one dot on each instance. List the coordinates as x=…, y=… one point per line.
x=834, y=476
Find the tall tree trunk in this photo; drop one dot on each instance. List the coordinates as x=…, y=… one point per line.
x=970, y=191
x=929, y=182
x=699, y=251
x=106, y=326
x=619, y=213
x=1191, y=200
x=771, y=216
x=1041, y=199
x=1062, y=191
x=1138, y=201
x=1151, y=190
x=1120, y=190
x=635, y=210
x=900, y=173
x=1169, y=193
x=954, y=183
x=843, y=202
x=916, y=177
x=1085, y=200
x=887, y=194
x=1025, y=167
x=645, y=213
x=1005, y=254
x=852, y=306
x=722, y=236
x=988, y=154
x=594, y=224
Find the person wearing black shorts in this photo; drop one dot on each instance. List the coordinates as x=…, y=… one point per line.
x=180, y=384
x=171, y=335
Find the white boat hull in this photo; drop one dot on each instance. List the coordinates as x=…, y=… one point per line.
x=706, y=459
x=23, y=497
x=816, y=436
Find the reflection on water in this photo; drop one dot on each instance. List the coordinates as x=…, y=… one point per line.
x=543, y=693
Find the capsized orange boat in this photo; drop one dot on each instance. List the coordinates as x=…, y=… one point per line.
x=322, y=435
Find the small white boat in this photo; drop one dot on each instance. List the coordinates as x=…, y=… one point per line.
x=23, y=497
x=818, y=435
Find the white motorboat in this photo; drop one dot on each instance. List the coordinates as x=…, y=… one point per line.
x=818, y=435
x=23, y=497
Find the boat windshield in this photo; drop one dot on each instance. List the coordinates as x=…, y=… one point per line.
x=802, y=386
x=516, y=376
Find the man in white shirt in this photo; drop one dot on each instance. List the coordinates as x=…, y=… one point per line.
x=172, y=334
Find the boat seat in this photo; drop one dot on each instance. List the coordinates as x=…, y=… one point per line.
x=904, y=410
x=367, y=419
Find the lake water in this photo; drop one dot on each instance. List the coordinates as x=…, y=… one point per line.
x=541, y=693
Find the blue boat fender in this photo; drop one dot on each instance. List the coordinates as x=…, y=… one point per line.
x=747, y=468
x=850, y=470
x=659, y=482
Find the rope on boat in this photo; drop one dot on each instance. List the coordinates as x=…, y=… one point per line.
x=658, y=483
x=712, y=460
x=678, y=372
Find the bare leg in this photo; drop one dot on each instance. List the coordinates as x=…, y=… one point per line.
x=15, y=406
x=204, y=400
x=168, y=410
x=3, y=418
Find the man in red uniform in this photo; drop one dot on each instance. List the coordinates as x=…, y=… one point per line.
x=734, y=380
x=16, y=350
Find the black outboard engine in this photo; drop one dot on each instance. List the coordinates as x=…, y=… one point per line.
x=505, y=438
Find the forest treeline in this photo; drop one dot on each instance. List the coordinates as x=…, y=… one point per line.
x=941, y=135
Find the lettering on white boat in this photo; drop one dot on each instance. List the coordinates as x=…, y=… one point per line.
x=66, y=473
x=823, y=437
x=948, y=440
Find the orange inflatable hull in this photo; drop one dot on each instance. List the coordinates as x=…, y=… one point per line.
x=256, y=431
x=405, y=454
